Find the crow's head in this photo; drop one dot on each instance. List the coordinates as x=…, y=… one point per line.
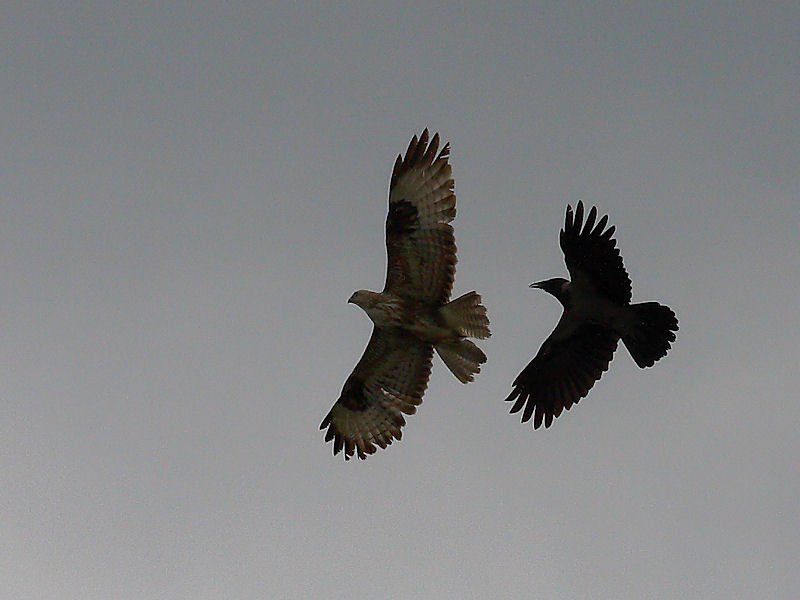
x=556, y=286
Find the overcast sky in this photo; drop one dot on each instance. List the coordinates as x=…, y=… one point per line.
x=191, y=191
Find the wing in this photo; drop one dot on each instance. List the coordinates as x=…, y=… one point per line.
x=387, y=382
x=421, y=248
x=592, y=256
x=563, y=371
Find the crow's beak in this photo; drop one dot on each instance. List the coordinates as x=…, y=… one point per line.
x=537, y=285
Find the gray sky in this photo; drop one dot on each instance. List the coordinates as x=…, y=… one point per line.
x=191, y=192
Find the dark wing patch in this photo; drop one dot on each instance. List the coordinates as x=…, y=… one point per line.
x=388, y=381
x=402, y=220
x=562, y=372
x=592, y=256
x=354, y=395
x=420, y=245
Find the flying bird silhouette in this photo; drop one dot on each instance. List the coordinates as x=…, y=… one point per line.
x=412, y=316
x=597, y=313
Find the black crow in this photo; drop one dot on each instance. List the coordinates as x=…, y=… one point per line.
x=597, y=313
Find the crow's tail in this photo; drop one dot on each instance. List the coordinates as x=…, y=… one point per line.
x=653, y=331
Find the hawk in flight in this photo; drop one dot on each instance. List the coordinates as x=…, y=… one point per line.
x=413, y=315
x=597, y=314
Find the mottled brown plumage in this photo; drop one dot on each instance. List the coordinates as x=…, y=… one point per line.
x=412, y=316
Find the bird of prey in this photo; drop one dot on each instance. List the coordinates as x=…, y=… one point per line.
x=597, y=314
x=412, y=316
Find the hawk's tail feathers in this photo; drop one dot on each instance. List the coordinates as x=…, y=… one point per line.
x=467, y=316
x=653, y=332
x=462, y=357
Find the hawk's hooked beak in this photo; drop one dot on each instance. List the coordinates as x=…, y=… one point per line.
x=350, y=300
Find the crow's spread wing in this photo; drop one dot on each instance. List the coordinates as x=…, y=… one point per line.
x=566, y=367
x=592, y=256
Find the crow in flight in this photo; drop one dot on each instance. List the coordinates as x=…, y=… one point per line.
x=597, y=313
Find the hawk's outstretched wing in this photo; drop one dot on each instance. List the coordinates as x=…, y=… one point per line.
x=387, y=382
x=592, y=256
x=420, y=244
x=563, y=371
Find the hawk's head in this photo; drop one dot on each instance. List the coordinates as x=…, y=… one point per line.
x=364, y=298
x=382, y=309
